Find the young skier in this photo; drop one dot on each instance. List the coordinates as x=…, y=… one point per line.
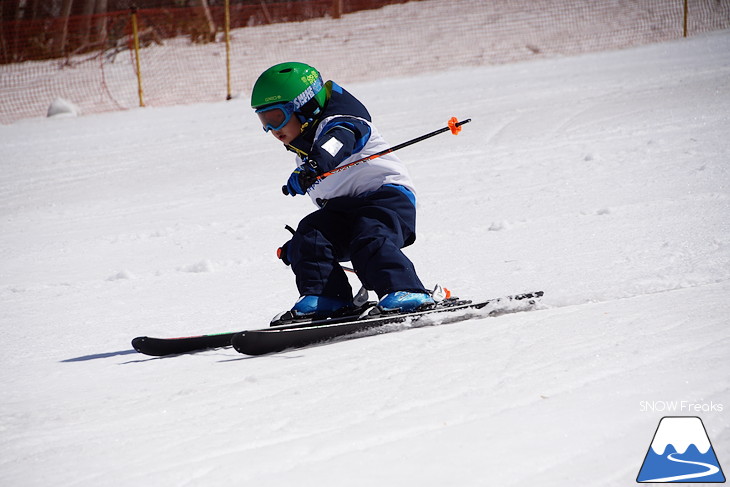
x=366, y=212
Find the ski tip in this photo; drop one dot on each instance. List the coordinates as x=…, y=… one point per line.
x=138, y=343
x=237, y=342
x=527, y=296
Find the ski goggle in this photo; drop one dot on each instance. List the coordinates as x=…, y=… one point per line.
x=274, y=117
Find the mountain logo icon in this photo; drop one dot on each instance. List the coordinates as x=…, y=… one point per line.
x=681, y=452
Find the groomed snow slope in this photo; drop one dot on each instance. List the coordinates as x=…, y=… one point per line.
x=600, y=179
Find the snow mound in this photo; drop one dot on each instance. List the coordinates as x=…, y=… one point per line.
x=62, y=108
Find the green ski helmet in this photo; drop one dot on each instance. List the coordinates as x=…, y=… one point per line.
x=288, y=89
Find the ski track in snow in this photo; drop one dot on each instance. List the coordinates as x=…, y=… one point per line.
x=600, y=179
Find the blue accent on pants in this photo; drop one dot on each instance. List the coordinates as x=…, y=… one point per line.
x=369, y=230
x=405, y=191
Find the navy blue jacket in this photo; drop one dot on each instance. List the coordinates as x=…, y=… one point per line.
x=348, y=129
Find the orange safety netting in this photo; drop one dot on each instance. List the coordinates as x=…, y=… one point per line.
x=90, y=61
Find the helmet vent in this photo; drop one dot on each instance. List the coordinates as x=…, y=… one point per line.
x=287, y=70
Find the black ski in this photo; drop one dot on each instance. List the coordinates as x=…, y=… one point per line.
x=279, y=338
x=304, y=333
x=159, y=347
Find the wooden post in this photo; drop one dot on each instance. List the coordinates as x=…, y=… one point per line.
x=336, y=9
x=686, y=14
x=135, y=40
x=227, y=28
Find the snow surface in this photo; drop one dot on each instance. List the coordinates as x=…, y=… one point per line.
x=601, y=179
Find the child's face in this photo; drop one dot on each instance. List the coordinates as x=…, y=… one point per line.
x=288, y=132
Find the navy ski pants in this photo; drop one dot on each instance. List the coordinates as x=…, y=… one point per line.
x=368, y=230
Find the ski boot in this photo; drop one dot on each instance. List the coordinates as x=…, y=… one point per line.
x=311, y=307
x=405, y=302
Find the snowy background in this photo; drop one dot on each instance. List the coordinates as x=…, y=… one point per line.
x=601, y=179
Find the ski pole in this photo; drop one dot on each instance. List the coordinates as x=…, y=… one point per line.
x=454, y=125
